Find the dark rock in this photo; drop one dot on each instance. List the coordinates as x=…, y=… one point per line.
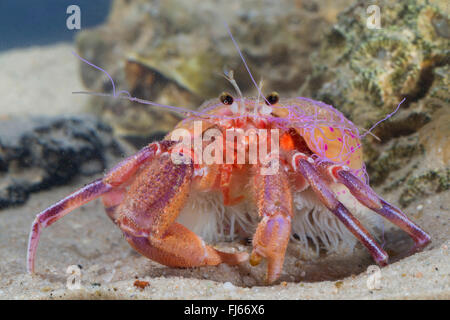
x=41, y=152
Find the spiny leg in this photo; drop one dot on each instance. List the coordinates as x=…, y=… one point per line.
x=120, y=174
x=148, y=213
x=274, y=203
x=328, y=198
x=364, y=194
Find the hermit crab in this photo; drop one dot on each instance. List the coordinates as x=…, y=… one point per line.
x=264, y=168
x=292, y=169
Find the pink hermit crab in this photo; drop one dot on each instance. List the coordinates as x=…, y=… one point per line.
x=166, y=194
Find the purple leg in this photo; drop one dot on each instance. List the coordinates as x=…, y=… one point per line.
x=370, y=199
x=327, y=197
x=111, y=187
x=59, y=210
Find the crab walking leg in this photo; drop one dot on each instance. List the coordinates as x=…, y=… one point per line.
x=127, y=168
x=111, y=202
x=114, y=178
x=274, y=203
x=148, y=212
x=327, y=197
x=364, y=194
x=123, y=173
x=59, y=210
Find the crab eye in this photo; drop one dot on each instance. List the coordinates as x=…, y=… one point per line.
x=273, y=98
x=226, y=98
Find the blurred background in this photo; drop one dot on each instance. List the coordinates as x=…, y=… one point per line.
x=24, y=24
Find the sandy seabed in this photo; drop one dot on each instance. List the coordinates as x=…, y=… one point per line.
x=40, y=81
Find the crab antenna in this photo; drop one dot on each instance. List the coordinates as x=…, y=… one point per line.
x=229, y=75
x=183, y=111
x=98, y=68
x=368, y=132
x=243, y=60
x=261, y=83
x=387, y=117
x=118, y=95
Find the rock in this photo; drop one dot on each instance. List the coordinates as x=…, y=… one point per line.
x=40, y=152
x=365, y=73
x=174, y=52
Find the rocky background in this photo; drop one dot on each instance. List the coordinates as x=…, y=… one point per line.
x=365, y=73
x=175, y=52
x=50, y=151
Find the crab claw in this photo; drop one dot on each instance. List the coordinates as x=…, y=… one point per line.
x=273, y=198
x=148, y=218
x=270, y=242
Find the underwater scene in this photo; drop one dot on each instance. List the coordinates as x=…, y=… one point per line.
x=224, y=149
